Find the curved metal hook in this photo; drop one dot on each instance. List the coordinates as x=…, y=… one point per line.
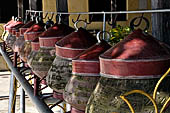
x=45, y=15
x=99, y=38
x=52, y=16
x=33, y=16
x=83, y=20
x=75, y=24
x=59, y=19
x=113, y=22
x=133, y=25
x=90, y=20
x=76, y=19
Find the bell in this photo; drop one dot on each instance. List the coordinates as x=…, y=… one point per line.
x=66, y=49
x=136, y=62
x=18, y=44
x=29, y=35
x=86, y=73
x=42, y=61
x=35, y=47
x=10, y=40
x=9, y=29
x=5, y=28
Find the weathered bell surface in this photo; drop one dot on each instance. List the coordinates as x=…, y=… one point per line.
x=66, y=49
x=34, y=50
x=9, y=29
x=137, y=62
x=29, y=35
x=43, y=59
x=86, y=73
x=11, y=39
x=18, y=44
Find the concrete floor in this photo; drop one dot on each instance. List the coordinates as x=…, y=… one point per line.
x=4, y=92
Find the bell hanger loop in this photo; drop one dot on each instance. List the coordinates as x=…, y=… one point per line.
x=82, y=21
x=59, y=18
x=103, y=36
x=46, y=14
x=78, y=20
x=133, y=25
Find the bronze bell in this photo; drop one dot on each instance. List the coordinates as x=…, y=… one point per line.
x=85, y=75
x=9, y=28
x=20, y=38
x=136, y=62
x=29, y=35
x=34, y=49
x=43, y=59
x=66, y=49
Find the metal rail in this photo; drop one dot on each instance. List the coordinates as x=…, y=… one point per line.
x=114, y=12
x=39, y=104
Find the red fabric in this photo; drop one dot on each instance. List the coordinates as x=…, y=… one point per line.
x=35, y=46
x=133, y=68
x=137, y=45
x=35, y=28
x=138, y=54
x=74, y=110
x=75, y=43
x=57, y=30
x=48, y=42
x=88, y=61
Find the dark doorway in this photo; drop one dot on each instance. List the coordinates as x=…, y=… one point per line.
x=8, y=8
x=62, y=6
x=105, y=5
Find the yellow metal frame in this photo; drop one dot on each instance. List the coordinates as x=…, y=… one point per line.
x=153, y=98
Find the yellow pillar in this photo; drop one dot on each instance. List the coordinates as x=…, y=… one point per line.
x=49, y=5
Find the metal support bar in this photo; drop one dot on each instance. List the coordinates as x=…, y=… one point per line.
x=22, y=101
x=39, y=104
x=114, y=12
x=104, y=24
x=13, y=84
x=11, y=94
x=22, y=92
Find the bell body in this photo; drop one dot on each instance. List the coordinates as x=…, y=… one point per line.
x=67, y=49
x=79, y=89
x=45, y=56
x=29, y=35
x=85, y=76
x=135, y=63
x=59, y=71
x=35, y=47
x=106, y=96
x=42, y=60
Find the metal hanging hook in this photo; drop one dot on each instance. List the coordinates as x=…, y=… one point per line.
x=76, y=19
x=113, y=21
x=52, y=15
x=59, y=19
x=76, y=24
x=33, y=16
x=45, y=15
x=113, y=18
x=103, y=37
x=90, y=20
x=133, y=25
